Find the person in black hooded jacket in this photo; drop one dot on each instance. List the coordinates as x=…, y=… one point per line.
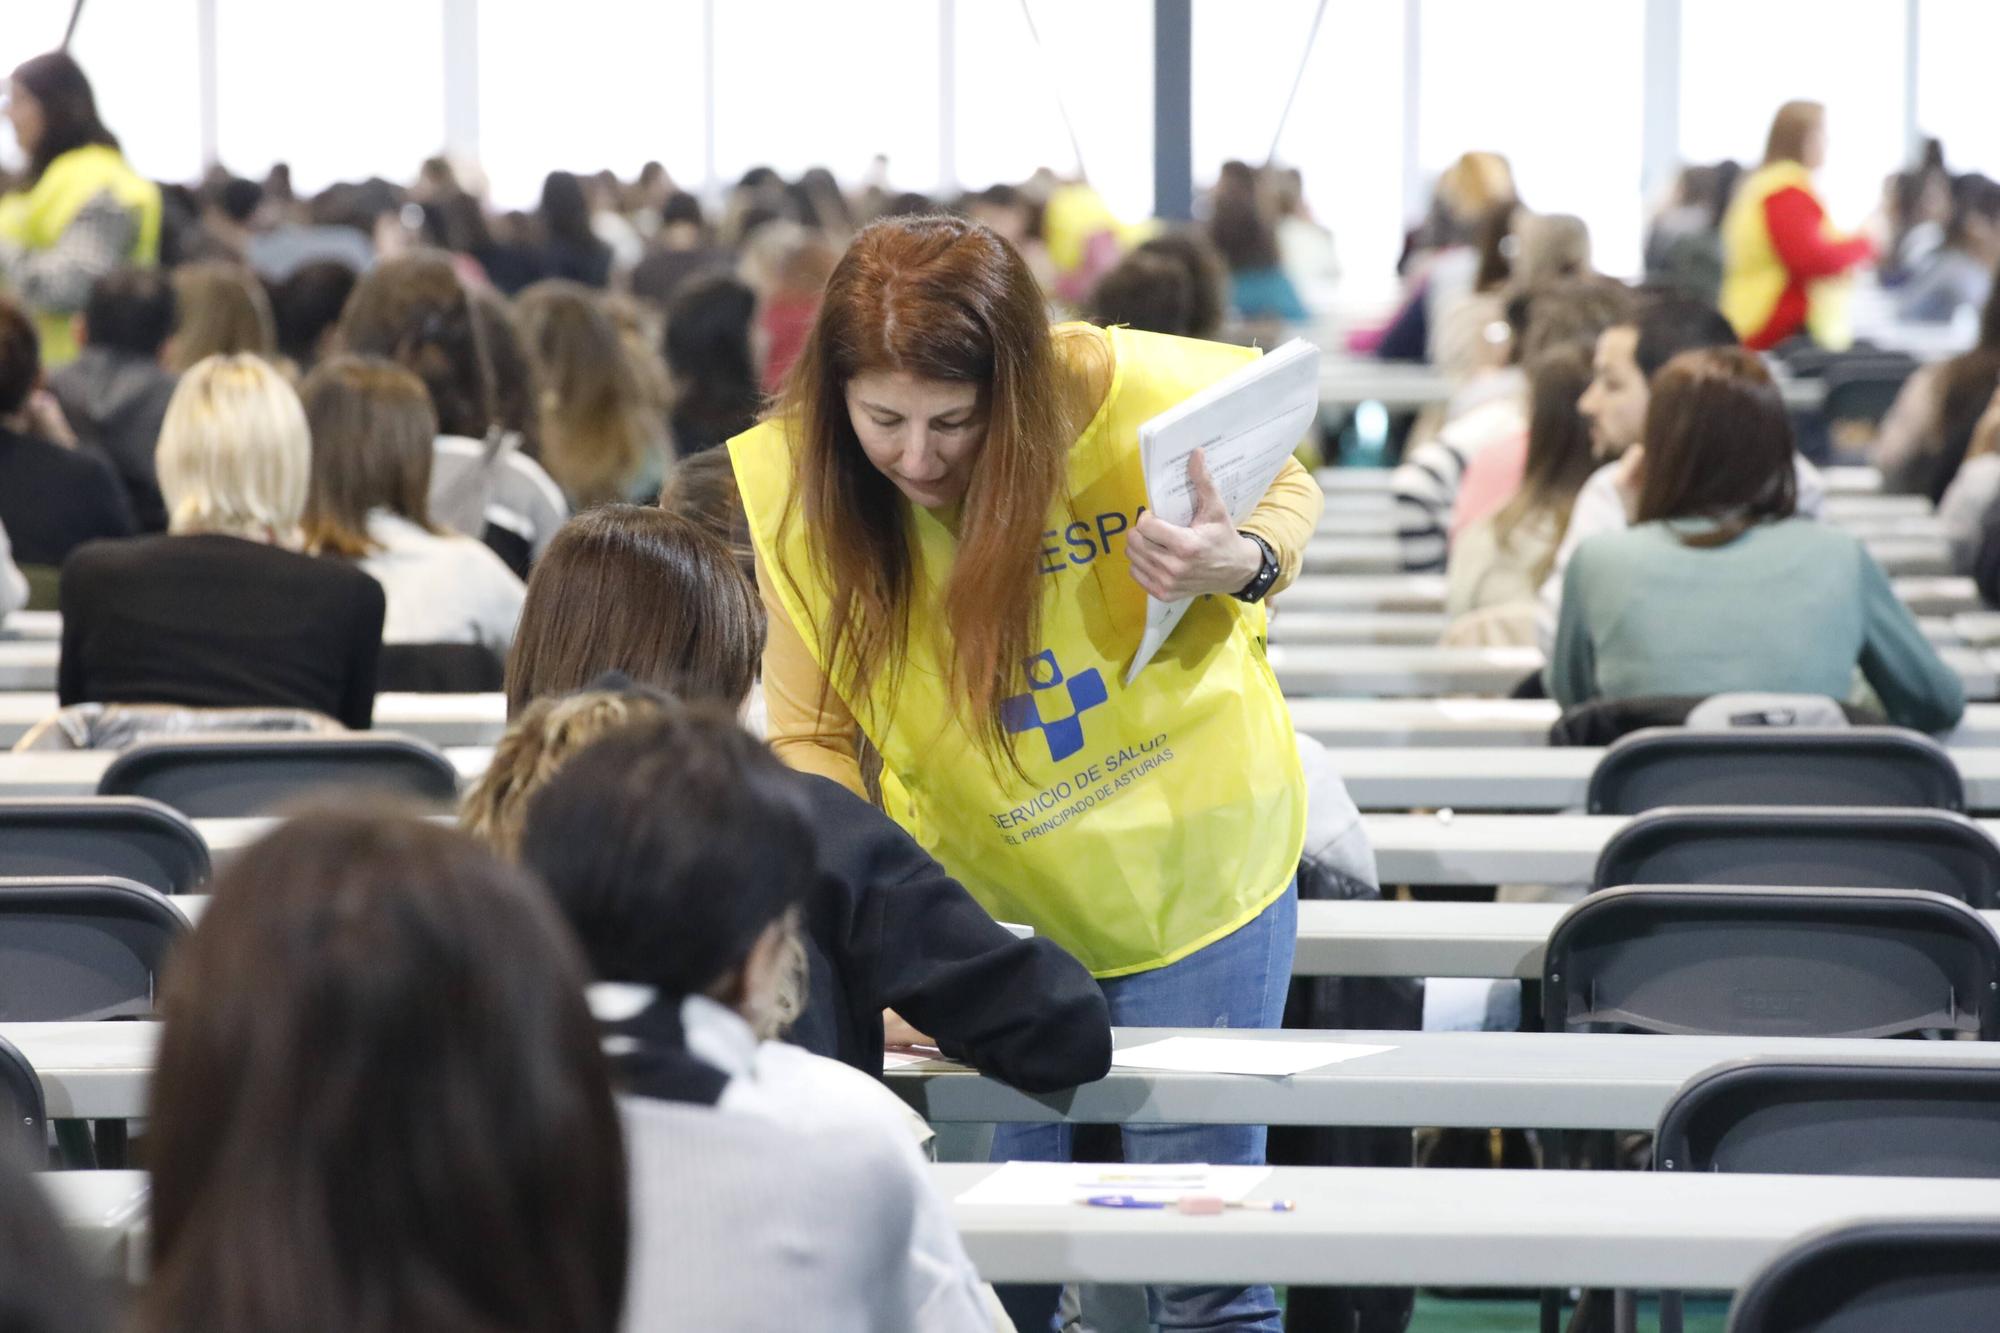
x=885, y=929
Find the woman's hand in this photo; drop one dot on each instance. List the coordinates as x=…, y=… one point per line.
x=1208, y=555
x=896, y=1031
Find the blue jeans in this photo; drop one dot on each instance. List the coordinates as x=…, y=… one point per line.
x=1237, y=982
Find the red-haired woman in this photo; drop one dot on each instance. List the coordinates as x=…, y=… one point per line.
x=947, y=509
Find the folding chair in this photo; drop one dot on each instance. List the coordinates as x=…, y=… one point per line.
x=21, y=1102
x=123, y=837
x=1795, y=962
x=1870, y=1277
x=82, y=948
x=1811, y=846
x=1766, y=766
x=233, y=776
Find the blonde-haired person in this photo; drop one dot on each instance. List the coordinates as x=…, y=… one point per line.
x=603, y=438
x=223, y=311
x=224, y=610
x=372, y=426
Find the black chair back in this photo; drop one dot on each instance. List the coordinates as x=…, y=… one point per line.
x=1769, y=962
x=238, y=776
x=1810, y=846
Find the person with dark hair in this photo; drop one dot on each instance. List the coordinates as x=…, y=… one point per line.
x=44, y=1287
x=602, y=439
x=1247, y=239
x=711, y=362
x=53, y=498
x=1145, y=291
x=683, y=246
x=1958, y=275
x=1720, y=586
x=1628, y=356
x=1784, y=265
x=639, y=591
x=80, y=211
x=372, y=428
x=517, y=392
x=306, y=308
x=414, y=311
x=115, y=394
x=703, y=491
x=1684, y=243
x=379, y=1103
x=1208, y=276
x=570, y=249
x=709, y=931
x=1927, y=432
x=224, y=311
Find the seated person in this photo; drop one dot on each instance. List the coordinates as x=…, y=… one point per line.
x=114, y=395
x=224, y=611
x=1958, y=275
x=53, y=498
x=682, y=853
x=369, y=502
x=1499, y=561
x=13, y=584
x=1628, y=356
x=380, y=1101
x=1720, y=586
x=888, y=928
x=413, y=310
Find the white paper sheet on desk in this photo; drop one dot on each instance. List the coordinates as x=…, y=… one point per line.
x=1239, y=1055
x=1246, y=425
x=1040, y=1184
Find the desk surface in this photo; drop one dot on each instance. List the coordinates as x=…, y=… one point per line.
x=1478, y=1080
x=1467, y=723
x=1921, y=555
x=1925, y=596
x=1838, y=480
x=441, y=719
x=1534, y=778
x=1428, y=671
x=1358, y=1226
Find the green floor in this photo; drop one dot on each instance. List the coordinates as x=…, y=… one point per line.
x=1442, y=1316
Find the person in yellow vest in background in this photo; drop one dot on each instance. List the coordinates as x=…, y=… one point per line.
x=953, y=546
x=1784, y=267
x=80, y=211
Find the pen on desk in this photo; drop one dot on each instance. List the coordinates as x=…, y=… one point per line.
x=1197, y=1204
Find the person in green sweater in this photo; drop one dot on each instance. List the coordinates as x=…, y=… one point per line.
x=1719, y=586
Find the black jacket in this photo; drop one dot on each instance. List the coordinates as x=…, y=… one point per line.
x=54, y=499
x=890, y=929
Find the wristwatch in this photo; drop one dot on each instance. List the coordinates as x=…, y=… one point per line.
x=1267, y=573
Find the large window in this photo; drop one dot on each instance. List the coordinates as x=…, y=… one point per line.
x=1245, y=58
x=144, y=64
x=828, y=83
x=1741, y=61
x=582, y=85
x=1955, y=44
x=1557, y=87
x=368, y=101
x=1095, y=60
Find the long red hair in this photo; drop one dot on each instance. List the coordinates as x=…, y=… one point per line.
x=942, y=299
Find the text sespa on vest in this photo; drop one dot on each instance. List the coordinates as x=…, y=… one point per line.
x=1153, y=819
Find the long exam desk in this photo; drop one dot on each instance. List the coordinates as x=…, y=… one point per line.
x=1926, y=596
x=441, y=719
x=1464, y=1079
x=1462, y=723
x=1899, y=556
x=1363, y=1226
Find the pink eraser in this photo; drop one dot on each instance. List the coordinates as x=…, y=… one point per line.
x=1200, y=1205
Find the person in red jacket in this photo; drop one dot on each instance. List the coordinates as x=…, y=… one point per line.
x=1784, y=265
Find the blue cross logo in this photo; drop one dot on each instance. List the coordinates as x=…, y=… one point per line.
x=1064, y=734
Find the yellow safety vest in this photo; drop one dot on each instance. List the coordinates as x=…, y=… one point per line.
x=1153, y=819
x=36, y=218
x=1754, y=277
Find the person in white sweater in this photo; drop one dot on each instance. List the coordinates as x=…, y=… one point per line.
x=372, y=426
x=13, y=584
x=772, y=1189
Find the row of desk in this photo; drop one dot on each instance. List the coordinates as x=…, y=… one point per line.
x=1422, y=629
x=1353, y=1226
x=1929, y=595
x=1901, y=556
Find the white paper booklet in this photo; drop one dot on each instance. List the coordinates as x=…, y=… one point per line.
x=1041, y=1184
x=1240, y=1055
x=1246, y=426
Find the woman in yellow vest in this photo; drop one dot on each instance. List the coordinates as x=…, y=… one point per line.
x=952, y=543
x=80, y=212
x=1784, y=267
